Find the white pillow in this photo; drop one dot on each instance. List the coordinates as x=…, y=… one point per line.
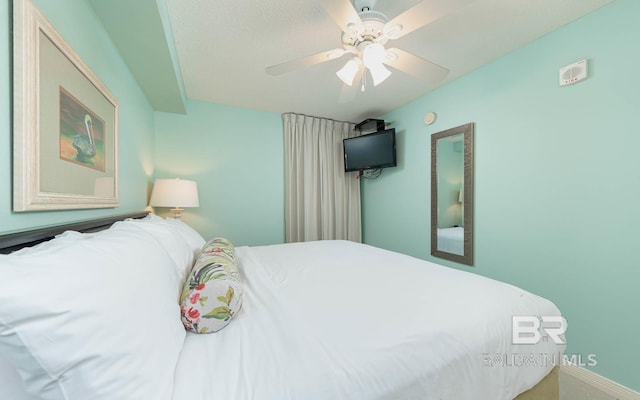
x=172, y=243
x=11, y=386
x=54, y=244
x=190, y=235
x=96, y=319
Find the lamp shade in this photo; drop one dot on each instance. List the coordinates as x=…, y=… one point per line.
x=174, y=193
x=348, y=72
x=379, y=73
x=373, y=55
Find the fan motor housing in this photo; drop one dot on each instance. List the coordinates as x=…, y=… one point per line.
x=373, y=24
x=361, y=5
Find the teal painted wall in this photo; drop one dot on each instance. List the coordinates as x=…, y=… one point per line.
x=236, y=156
x=76, y=21
x=557, y=173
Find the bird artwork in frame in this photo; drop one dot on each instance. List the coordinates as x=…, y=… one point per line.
x=65, y=123
x=81, y=133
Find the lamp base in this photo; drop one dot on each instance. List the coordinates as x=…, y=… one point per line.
x=177, y=212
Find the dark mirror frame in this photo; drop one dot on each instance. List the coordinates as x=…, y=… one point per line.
x=468, y=131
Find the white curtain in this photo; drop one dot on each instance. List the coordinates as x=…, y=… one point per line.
x=322, y=201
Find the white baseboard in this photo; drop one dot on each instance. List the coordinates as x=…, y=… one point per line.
x=601, y=383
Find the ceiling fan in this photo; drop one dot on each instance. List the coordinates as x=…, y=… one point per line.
x=365, y=32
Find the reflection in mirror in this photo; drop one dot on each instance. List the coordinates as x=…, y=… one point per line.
x=450, y=167
x=452, y=194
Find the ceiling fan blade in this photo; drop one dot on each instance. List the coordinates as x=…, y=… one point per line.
x=415, y=66
x=420, y=15
x=349, y=93
x=305, y=62
x=343, y=14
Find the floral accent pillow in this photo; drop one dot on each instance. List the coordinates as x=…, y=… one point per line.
x=212, y=295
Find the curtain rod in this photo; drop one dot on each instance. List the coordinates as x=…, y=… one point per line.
x=312, y=116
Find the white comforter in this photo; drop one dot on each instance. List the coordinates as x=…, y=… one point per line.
x=338, y=320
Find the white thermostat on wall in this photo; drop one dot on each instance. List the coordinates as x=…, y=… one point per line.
x=573, y=73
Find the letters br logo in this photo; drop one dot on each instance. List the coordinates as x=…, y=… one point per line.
x=530, y=329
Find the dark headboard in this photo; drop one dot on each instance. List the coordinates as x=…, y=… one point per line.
x=18, y=240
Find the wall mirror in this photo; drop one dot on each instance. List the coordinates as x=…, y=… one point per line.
x=452, y=194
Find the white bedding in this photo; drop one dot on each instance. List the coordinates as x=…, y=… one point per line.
x=338, y=320
x=451, y=240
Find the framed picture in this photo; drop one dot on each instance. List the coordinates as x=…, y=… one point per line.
x=65, y=122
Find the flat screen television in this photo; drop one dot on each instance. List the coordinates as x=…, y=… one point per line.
x=371, y=151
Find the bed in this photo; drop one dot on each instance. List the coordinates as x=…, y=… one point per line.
x=319, y=320
x=451, y=240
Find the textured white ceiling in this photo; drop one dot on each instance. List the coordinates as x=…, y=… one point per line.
x=223, y=48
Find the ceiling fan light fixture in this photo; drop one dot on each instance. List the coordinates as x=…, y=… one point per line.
x=365, y=33
x=379, y=73
x=348, y=72
x=373, y=54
